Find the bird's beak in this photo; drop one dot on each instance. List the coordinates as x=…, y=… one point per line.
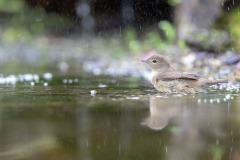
x=143, y=60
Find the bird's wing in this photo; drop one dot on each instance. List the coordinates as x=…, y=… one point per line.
x=191, y=74
x=172, y=75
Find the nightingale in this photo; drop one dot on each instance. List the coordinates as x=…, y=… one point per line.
x=166, y=79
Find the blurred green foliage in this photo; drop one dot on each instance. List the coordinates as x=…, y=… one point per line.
x=169, y=31
x=11, y=5
x=217, y=152
x=25, y=23
x=158, y=40
x=174, y=2
x=131, y=40
x=231, y=23
x=153, y=40
x=130, y=34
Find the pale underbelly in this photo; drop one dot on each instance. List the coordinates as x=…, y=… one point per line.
x=175, y=86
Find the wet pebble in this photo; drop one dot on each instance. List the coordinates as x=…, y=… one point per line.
x=133, y=98
x=32, y=83
x=188, y=60
x=13, y=79
x=224, y=72
x=45, y=84
x=238, y=66
x=216, y=63
x=47, y=76
x=102, y=85
x=237, y=76
x=93, y=92
x=228, y=96
x=63, y=66
x=65, y=81
x=201, y=55
x=76, y=80
x=28, y=77
x=232, y=60
x=193, y=57
x=70, y=81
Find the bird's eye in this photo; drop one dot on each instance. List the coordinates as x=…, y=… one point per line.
x=154, y=61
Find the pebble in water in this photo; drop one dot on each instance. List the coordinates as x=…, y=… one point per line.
x=133, y=98
x=70, y=81
x=28, y=77
x=63, y=66
x=32, y=83
x=76, y=80
x=65, y=81
x=188, y=60
x=47, y=76
x=227, y=86
x=228, y=96
x=93, y=92
x=13, y=79
x=102, y=85
x=238, y=66
x=232, y=60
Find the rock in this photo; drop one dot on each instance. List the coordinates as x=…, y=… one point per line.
x=216, y=63
x=193, y=57
x=237, y=76
x=194, y=20
x=189, y=60
x=93, y=92
x=238, y=66
x=232, y=60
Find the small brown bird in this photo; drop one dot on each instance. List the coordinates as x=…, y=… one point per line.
x=166, y=79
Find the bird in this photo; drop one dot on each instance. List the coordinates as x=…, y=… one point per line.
x=166, y=79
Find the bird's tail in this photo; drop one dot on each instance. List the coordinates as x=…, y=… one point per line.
x=210, y=82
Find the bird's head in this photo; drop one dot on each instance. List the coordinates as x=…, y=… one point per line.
x=157, y=62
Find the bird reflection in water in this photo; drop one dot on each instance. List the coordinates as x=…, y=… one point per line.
x=196, y=125
x=162, y=110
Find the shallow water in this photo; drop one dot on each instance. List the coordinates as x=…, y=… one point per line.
x=100, y=117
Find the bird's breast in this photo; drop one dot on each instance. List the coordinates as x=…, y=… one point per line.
x=154, y=76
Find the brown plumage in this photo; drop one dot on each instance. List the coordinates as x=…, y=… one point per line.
x=166, y=79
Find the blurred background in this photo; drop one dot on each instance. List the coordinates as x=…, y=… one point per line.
x=63, y=35
x=72, y=85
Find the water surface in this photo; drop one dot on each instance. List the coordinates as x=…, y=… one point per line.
x=100, y=117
